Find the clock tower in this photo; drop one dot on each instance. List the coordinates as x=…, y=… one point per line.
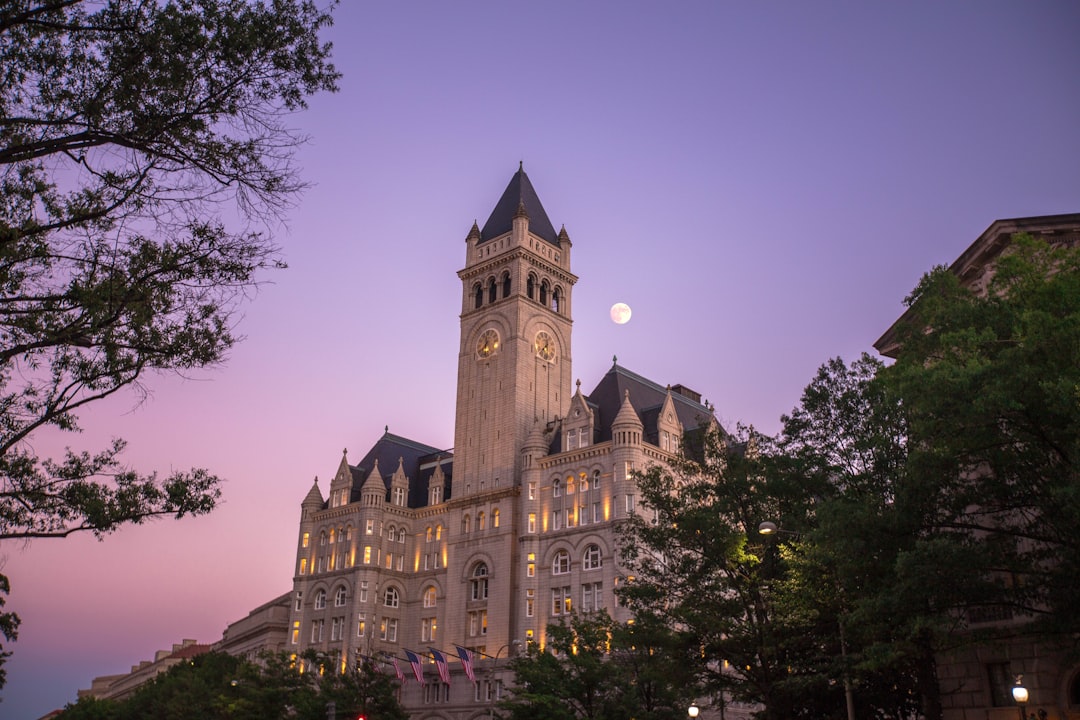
x=514, y=364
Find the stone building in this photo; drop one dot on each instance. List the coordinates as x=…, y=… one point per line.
x=414, y=547
x=977, y=679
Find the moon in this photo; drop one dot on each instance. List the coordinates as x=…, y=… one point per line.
x=620, y=313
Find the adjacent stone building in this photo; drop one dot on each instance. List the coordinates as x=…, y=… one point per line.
x=414, y=547
x=976, y=680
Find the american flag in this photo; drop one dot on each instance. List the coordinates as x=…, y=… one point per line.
x=398, y=671
x=440, y=662
x=417, y=668
x=466, y=662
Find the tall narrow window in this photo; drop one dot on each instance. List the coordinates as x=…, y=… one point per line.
x=478, y=294
x=491, y=290
x=480, y=582
x=506, y=285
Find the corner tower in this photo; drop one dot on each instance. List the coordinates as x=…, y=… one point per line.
x=514, y=363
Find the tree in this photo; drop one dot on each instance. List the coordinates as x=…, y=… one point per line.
x=594, y=668
x=990, y=383
x=700, y=566
x=129, y=132
x=218, y=686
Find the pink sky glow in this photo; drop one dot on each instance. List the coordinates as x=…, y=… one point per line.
x=762, y=183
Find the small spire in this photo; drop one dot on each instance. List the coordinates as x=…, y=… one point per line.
x=345, y=451
x=521, y=166
x=474, y=232
x=614, y=359
x=386, y=429
x=579, y=384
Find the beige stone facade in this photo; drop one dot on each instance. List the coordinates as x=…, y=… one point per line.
x=482, y=546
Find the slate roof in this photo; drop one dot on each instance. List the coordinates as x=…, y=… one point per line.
x=387, y=450
x=519, y=192
x=646, y=397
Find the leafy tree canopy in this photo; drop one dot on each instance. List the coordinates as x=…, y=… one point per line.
x=142, y=146
x=220, y=686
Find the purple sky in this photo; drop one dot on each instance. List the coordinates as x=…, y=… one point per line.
x=762, y=183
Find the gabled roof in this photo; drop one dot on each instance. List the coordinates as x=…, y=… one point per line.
x=387, y=450
x=647, y=397
x=519, y=192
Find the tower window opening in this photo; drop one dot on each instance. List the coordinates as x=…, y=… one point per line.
x=478, y=293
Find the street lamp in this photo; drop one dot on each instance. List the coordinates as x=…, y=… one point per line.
x=509, y=647
x=692, y=711
x=1020, y=695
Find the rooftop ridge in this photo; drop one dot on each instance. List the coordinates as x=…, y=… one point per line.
x=677, y=397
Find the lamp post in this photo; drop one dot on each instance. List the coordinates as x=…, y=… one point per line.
x=692, y=711
x=491, y=673
x=1020, y=695
x=768, y=527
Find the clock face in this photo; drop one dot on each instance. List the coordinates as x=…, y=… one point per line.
x=488, y=344
x=545, y=346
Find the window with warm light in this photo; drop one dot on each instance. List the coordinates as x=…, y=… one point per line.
x=429, y=597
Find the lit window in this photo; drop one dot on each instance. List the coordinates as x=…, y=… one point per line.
x=481, y=520
x=570, y=485
x=295, y=632
x=320, y=600
x=427, y=534
x=532, y=522
x=303, y=566
x=530, y=568
x=438, y=532
x=428, y=628
x=495, y=518
x=369, y=528
x=561, y=564
x=532, y=493
x=361, y=625
x=560, y=601
x=391, y=599
x=306, y=540
x=429, y=597
x=367, y=554
x=592, y=559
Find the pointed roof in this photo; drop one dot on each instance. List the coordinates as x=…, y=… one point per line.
x=647, y=398
x=314, y=496
x=519, y=195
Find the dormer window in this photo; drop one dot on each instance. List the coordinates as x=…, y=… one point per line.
x=399, y=496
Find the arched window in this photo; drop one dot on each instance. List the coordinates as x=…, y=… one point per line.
x=478, y=294
x=495, y=518
x=530, y=287
x=491, y=290
x=348, y=532
x=322, y=538
x=429, y=597
x=479, y=582
x=544, y=293
x=481, y=520
x=506, y=285
x=592, y=560
x=570, y=485
x=401, y=535
x=331, y=536
x=561, y=564
x=339, y=597
x=555, y=300
x=391, y=533
x=391, y=598
x=438, y=532
x=556, y=488
x=320, y=600
x=596, y=481
x=465, y=524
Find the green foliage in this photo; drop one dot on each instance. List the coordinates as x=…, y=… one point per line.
x=129, y=132
x=219, y=686
x=702, y=569
x=593, y=668
x=989, y=387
